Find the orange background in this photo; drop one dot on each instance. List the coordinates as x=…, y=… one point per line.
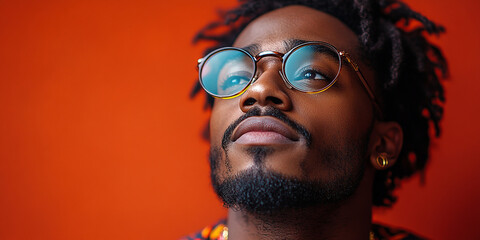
x=99, y=140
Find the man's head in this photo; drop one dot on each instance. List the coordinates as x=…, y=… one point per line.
x=276, y=147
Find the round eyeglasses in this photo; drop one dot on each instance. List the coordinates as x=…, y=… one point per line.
x=311, y=67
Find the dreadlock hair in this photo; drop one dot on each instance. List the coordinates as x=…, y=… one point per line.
x=408, y=69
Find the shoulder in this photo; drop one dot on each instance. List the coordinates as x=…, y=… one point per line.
x=213, y=232
x=381, y=231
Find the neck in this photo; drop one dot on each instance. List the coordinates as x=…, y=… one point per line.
x=348, y=219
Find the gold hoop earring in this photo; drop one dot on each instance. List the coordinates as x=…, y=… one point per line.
x=382, y=160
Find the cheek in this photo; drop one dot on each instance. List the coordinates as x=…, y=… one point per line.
x=334, y=125
x=348, y=115
x=218, y=124
x=214, y=128
x=224, y=112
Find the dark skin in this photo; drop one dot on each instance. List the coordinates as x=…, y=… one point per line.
x=342, y=114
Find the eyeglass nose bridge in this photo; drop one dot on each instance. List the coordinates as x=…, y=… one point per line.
x=272, y=54
x=268, y=54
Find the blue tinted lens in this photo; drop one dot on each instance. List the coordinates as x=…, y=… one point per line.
x=312, y=68
x=227, y=72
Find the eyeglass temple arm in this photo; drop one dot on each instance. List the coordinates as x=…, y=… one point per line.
x=364, y=82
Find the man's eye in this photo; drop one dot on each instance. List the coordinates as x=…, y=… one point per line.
x=234, y=81
x=309, y=74
x=311, y=78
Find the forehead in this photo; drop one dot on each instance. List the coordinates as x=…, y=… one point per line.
x=272, y=29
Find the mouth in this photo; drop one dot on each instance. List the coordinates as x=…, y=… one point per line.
x=264, y=130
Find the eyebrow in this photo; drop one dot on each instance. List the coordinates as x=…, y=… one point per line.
x=252, y=49
x=288, y=44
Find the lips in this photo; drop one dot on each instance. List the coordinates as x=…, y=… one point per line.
x=264, y=130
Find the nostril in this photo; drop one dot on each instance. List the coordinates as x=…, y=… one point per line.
x=250, y=102
x=275, y=100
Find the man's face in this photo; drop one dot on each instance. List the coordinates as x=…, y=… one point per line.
x=275, y=147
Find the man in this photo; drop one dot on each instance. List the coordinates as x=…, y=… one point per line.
x=319, y=109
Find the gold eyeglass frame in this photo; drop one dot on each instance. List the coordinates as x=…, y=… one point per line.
x=284, y=57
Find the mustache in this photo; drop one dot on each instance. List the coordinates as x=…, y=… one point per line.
x=268, y=111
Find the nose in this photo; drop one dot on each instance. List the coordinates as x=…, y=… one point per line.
x=268, y=90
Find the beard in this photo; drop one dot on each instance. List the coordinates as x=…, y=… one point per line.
x=261, y=190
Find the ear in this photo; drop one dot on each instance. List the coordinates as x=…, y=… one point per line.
x=386, y=139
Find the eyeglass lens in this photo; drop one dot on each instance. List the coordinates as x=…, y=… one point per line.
x=309, y=68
